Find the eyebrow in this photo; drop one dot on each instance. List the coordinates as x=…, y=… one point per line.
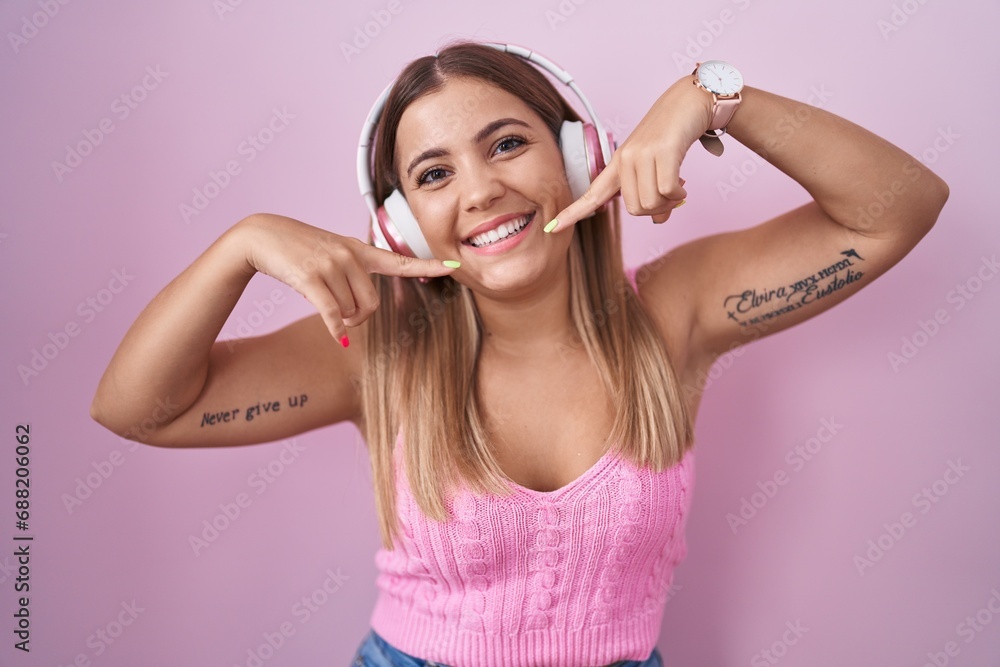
x=489, y=129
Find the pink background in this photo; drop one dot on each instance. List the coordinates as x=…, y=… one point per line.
x=62, y=239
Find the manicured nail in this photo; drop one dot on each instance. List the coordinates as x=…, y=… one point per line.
x=344, y=341
x=552, y=225
x=452, y=264
x=680, y=203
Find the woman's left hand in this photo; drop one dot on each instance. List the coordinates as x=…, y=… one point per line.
x=646, y=167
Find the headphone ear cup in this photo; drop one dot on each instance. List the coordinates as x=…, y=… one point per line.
x=594, y=148
x=383, y=232
x=595, y=157
x=572, y=142
x=400, y=228
x=582, y=155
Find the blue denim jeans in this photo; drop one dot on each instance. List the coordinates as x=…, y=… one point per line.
x=374, y=651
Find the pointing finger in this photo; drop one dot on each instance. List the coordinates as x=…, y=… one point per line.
x=600, y=191
x=388, y=263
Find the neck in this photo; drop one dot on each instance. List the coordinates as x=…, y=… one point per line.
x=528, y=324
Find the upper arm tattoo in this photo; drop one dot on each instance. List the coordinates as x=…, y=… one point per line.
x=251, y=412
x=753, y=307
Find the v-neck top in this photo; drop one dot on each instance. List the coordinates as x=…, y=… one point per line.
x=575, y=576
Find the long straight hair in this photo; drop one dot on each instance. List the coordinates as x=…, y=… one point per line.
x=420, y=368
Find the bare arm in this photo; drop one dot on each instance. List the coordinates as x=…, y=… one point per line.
x=171, y=384
x=161, y=365
x=871, y=204
x=858, y=179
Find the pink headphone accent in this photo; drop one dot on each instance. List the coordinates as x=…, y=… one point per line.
x=396, y=241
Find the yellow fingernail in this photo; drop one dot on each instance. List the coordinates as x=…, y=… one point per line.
x=552, y=225
x=452, y=264
x=680, y=203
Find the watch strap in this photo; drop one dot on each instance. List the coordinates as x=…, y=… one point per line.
x=712, y=143
x=723, y=111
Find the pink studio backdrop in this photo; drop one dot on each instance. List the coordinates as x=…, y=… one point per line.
x=114, y=578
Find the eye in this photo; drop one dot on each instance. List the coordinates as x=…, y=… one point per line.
x=513, y=140
x=423, y=177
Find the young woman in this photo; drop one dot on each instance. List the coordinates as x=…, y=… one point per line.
x=530, y=414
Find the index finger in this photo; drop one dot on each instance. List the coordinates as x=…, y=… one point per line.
x=388, y=263
x=604, y=187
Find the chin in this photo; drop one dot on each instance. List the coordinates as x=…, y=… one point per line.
x=512, y=276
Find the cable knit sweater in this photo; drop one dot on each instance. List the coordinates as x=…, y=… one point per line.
x=571, y=577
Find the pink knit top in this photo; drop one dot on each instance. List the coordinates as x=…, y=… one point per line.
x=576, y=576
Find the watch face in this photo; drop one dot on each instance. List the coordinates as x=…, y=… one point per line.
x=720, y=77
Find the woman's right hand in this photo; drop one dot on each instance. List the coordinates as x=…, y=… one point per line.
x=329, y=270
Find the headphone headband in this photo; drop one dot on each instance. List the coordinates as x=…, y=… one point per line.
x=365, y=143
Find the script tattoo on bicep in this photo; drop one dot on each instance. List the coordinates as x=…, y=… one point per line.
x=740, y=307
x=251, y=412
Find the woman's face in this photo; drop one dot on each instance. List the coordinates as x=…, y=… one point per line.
x=471, y=153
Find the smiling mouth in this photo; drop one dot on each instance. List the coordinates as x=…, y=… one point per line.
x=504, y=231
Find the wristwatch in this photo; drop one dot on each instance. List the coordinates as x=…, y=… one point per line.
x=723, y=82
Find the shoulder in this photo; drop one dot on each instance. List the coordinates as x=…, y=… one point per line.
x=672, y=314
x=666, y=308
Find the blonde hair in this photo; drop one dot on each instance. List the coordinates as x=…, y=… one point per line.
x=423, y=344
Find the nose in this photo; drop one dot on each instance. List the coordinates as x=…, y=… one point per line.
x=481, y=186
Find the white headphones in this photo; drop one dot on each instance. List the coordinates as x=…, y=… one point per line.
x=586, y=149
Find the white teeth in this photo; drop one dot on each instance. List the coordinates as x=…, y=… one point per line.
x=503, y=231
